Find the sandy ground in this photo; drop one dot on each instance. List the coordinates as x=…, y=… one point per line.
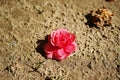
x=24, y=25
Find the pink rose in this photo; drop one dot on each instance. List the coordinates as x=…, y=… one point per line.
x=61, y=44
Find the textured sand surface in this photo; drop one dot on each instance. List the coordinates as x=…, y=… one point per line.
x=25, y=23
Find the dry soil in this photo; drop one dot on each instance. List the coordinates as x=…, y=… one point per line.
x=24, y=24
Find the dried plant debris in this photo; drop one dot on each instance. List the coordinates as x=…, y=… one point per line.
x=101, y=17
x=111, y=0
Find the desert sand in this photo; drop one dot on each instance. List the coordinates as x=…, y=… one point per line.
x=24, y=24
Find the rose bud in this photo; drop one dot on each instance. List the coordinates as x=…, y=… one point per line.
x=60, y=45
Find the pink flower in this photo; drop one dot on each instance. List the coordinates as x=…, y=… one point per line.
x=61, y=44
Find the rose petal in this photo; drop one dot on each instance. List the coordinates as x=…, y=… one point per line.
x=61, y=58
x=49, y=55
x=62, y=30
x=58, y=37
x=70, y=48
x=59, y=54
x=49, y=38
x=49, y=49
x=70, y=37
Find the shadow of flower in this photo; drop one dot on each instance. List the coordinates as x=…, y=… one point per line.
x=40, y=47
